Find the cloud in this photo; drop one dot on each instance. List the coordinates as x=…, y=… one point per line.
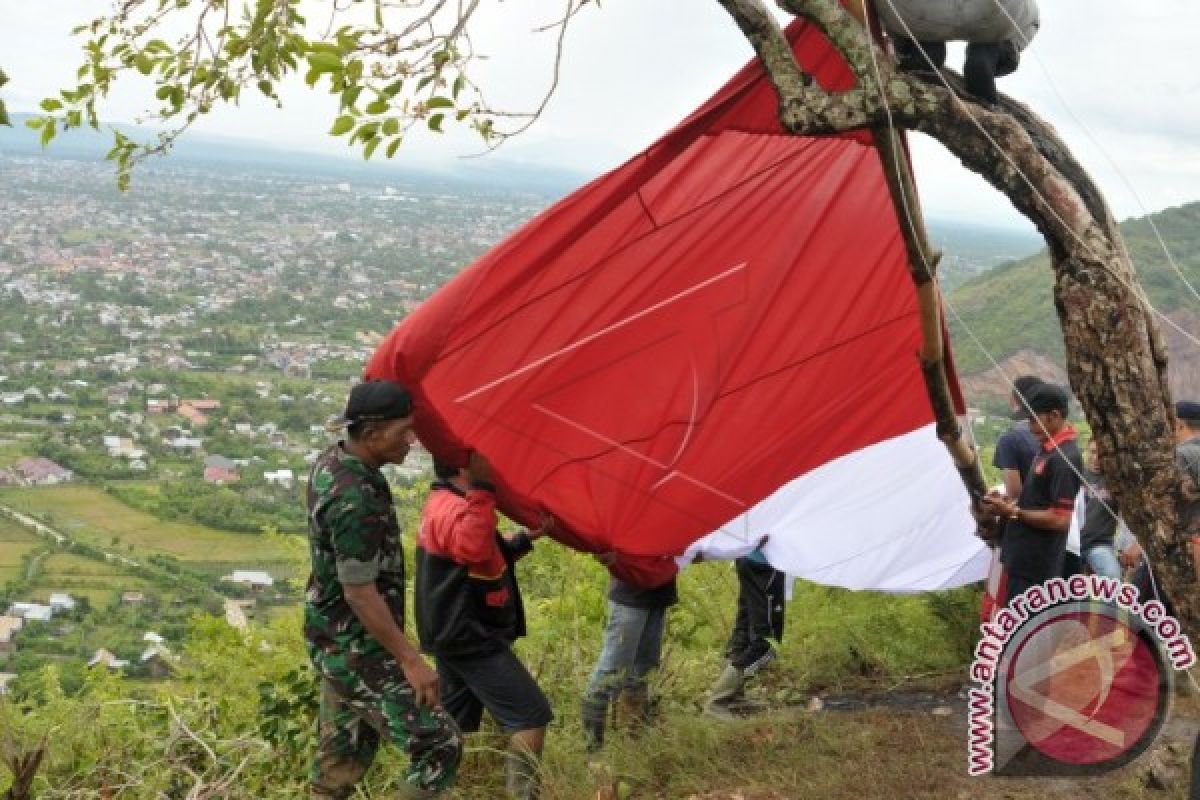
x=1120, y=74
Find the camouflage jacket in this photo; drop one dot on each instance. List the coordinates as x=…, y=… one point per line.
x=353, y=538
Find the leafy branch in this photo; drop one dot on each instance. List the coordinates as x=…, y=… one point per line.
x=390, y=66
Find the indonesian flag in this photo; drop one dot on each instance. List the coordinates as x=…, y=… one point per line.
x=713, y=343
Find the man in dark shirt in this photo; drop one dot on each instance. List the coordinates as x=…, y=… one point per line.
x=1017, y=447
x=375, y=685
x=1035, y=538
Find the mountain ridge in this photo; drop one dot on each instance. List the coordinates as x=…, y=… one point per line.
x=1010, y=309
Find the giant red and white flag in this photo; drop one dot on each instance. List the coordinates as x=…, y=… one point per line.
x=713, y=343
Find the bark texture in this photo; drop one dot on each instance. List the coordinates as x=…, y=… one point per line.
x=1116, y=359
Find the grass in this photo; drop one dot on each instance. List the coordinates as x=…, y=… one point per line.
x=80, y=576
x=15, y=542
x=87, y=513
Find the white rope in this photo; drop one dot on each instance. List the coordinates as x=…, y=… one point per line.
x=1137, y=289
x=1134, y=288
x=1103, y=151
x=945, y=301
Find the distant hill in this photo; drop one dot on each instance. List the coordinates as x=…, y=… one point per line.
x=1011, y=308
x=226, y=154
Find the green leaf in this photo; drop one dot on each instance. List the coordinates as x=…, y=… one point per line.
x=4, y=120
x=3, y=77
x=439, y=102
x=378, y=107
x=325, y=62
x=266, y=88
x=342, y=124
x=350, y=96
x=435, y=122
x=144, y=63
x=48, y=131
x=459, y=83
x=370, y=148
x=391, y=126
x=51, y=104
x=393, y=147
x=392, y=89
x=35, y=123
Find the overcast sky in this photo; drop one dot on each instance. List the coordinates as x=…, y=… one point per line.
x=1118, y=78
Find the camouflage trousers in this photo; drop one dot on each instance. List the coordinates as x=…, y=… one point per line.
x=365, y=703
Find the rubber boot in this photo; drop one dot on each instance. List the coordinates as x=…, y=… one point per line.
x=633, y=708
x=524, y=778
x=979, y=70
x=726, y=692
x=914, y=57
x=593, y=719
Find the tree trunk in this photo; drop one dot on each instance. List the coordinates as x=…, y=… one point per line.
x=1116, y=358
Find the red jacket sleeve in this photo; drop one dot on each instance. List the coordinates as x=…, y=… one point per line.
x=463, y=528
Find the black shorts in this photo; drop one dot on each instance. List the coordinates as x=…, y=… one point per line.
x=498, y=682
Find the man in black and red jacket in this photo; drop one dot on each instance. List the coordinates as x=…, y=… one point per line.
x=469, y=612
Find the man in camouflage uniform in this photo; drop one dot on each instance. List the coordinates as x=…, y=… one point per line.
x=374, y=682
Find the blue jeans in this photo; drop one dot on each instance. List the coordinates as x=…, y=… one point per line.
x=1103, y=561
x=632, y=646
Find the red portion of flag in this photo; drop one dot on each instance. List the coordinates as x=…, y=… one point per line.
x=667, y=346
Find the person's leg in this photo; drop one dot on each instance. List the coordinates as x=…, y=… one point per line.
x=1103, y=561
x=377, y=691
x=739, y=637
x=621, y=636
x=914, y=57
x=511, y=695
x=346, y=746
x=636, y=692
x=763, y=586
x=979, y=70
x=459, y=701
x=523, y=764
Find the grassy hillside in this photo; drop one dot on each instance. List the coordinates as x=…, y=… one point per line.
x=1011, y=307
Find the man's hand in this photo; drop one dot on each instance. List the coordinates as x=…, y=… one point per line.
x=999, y=505
x=479, y=469
x=427, y=687
x=1130, y=556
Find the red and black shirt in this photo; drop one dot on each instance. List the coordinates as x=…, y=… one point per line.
x=1052, y=482
x=466, y=596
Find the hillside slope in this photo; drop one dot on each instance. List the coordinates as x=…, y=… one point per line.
x=1011, y=308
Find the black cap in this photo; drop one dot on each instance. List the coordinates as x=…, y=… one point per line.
x=1022, y=386
x=1048, y=397
x=373, y=400
x=1188, y=411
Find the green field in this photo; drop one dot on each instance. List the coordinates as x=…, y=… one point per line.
x=79, y=576
x=90, y=515
x=15, y=542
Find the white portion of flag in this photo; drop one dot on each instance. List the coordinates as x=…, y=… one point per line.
x=893, y=516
